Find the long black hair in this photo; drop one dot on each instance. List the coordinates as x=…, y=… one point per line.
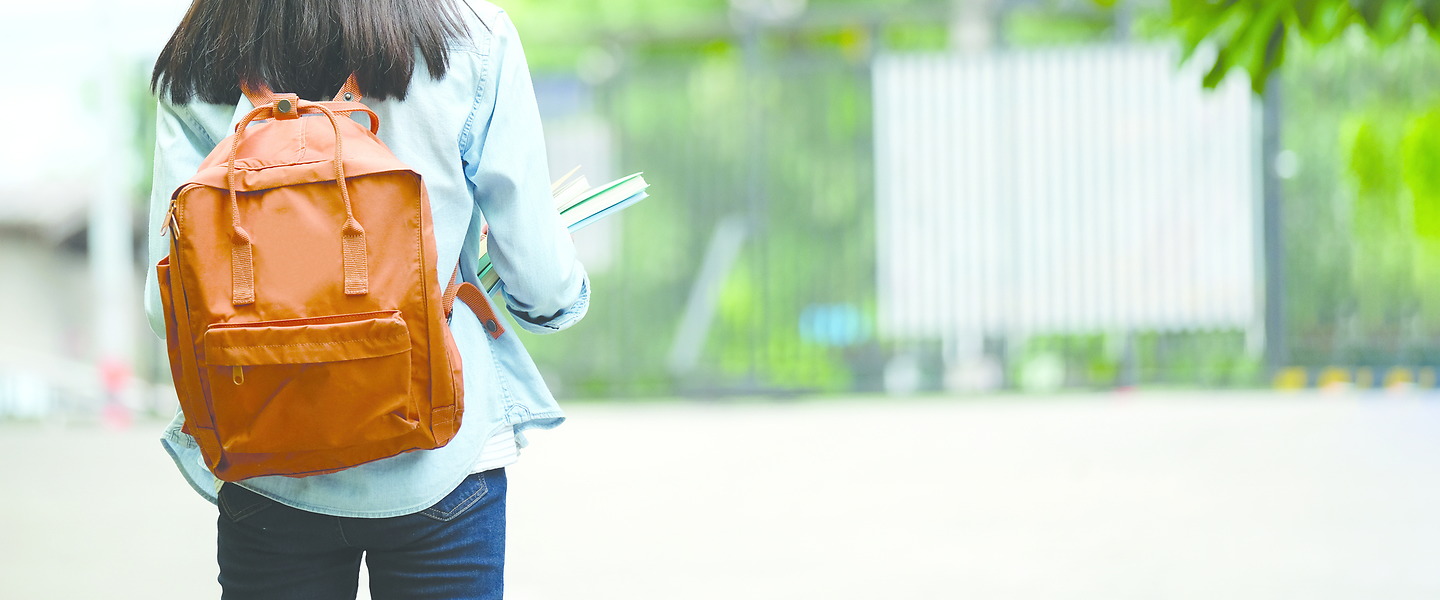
x=306, y=47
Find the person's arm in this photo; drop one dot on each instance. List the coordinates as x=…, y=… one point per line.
x=180, y=145
x=503, y=149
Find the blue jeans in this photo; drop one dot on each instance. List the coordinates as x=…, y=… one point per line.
x=454, y=549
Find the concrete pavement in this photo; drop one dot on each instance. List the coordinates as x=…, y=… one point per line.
x=1147, y=495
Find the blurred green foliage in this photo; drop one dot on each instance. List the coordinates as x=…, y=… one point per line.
x=1420, y=160
x=781, y=145
x=559, y=33
x=1254, y=35
x=1377, y=229
x=777, y=136
x=1041, y=25
x=1362, y=213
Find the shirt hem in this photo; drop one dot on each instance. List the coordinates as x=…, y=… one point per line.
x=382, y=514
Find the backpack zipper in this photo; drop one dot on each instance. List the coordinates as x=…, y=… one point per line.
x=171, y=224
x=329, y=319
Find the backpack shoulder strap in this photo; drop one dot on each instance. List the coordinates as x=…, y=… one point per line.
x=262, y=95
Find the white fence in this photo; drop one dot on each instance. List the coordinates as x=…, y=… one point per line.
x=1065, y=191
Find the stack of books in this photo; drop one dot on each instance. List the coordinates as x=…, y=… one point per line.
x=579, y=206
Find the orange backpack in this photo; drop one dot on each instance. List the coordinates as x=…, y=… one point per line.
x=306, y=329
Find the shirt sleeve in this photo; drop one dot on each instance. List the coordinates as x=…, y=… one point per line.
x=503, y=150
x=181, y=144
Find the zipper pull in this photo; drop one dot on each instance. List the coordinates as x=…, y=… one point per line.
x=237, y=374
x=170, y=223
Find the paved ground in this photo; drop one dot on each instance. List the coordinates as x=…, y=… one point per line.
x=1141, y=496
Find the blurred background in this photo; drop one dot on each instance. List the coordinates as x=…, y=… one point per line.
x=862, y=196
x=936, y=211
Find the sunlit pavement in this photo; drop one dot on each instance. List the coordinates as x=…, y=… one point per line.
x=1088, y=496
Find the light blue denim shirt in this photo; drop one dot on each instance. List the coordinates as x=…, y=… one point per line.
x=474, y=136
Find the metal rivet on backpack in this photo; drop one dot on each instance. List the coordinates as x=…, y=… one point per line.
x=283, y=106
x=349, y=96
x=490, y=325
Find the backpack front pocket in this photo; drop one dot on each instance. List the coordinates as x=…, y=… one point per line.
x=310, y=384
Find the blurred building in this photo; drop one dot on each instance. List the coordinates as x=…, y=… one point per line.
x=71, y=200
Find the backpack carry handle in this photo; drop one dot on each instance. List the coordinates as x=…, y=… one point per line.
x=353, y=247
x=346, y=108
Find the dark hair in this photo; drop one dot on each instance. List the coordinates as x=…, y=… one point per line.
x=305, y=47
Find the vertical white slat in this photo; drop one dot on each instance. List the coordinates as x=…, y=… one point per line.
x=1085, y=237
x=1097, y=268
x=1182, y=162
x=1049, y=231
x=964, y=255
x=1163, y=255
x=1142, y=297
x=1101, y=186
x=957, y=193
x=1070, y=191
x=936, y=249
x=1022, y=302
x=1178, y=117
x=992, y=222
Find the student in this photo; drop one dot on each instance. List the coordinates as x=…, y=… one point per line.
x=449, y=82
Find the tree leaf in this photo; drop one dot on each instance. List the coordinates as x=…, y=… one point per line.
x=1371, y=11
x=1274, y=57
x=1258, y=43
x=1396, y=21
x=1304, y=11
x=1331, y=19
x=1219, y=69
x=1429, y=10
